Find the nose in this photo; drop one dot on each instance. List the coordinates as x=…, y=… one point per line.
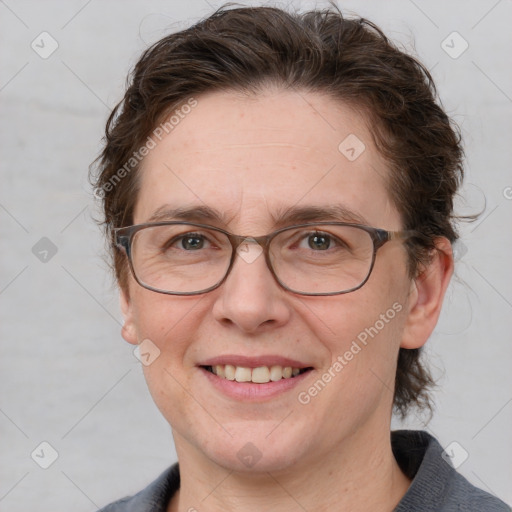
x=250, y=298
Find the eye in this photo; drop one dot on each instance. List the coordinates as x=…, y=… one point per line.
x=187, y=242
x=319, y=241
x=192, y=242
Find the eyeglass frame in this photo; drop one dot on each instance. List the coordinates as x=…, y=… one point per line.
x=123, y=238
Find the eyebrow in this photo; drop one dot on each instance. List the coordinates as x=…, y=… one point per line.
x=285, y=216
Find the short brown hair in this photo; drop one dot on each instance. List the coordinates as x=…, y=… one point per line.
x=351, y=60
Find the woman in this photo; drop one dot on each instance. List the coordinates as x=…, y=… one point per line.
x=278, y=192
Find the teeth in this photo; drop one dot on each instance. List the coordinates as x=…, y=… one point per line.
x=242, y=374
x=276, y=373
x=229, y=372
x=260, y=375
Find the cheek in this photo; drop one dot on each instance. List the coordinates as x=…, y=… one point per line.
x=164, y=318
x=171, y=324
x=371, y=313
x=167, y=327
x=359, y=337
x=358, y=379
x=361, y=331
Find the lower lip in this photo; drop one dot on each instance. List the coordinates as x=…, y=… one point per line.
x=251, y=392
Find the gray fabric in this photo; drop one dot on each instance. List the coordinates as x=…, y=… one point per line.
x=154, y=498
x=436, y=486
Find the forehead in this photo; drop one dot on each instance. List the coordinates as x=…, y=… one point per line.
x=254, y=157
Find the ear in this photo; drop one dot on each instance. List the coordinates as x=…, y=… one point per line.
x=128, y=331
x=426, y=296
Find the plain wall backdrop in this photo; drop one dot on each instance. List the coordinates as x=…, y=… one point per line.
x=68, y=379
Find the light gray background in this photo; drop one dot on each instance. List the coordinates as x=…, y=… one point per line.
x=69, y=379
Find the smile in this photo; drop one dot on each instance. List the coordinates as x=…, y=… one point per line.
x=259, y=375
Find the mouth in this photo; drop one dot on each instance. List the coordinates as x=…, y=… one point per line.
x=255, y=379
x=257, y=375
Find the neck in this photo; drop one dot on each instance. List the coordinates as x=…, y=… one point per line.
x=362, y=475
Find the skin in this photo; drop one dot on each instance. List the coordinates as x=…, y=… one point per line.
x=251, y=157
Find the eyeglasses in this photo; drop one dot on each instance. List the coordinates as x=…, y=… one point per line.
x=185, y=258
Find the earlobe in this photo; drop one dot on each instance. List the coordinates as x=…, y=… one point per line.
x=426, y=296
x=128, y=331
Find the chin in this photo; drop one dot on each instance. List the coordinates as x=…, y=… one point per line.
x=250, y=460
x=256, y=453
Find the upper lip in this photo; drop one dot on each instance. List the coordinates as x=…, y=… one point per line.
x=254, y=362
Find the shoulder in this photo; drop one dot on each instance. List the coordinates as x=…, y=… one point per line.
x=436, y=485
x=154, y=498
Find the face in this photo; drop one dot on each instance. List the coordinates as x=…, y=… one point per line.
x=252, y=159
